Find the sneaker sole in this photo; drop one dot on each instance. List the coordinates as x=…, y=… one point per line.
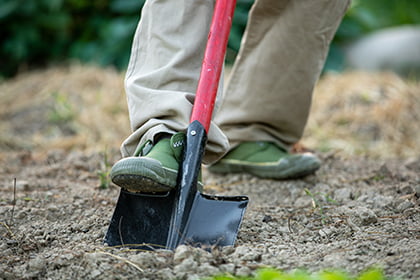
x=288, y=168
x=138, y=183
x=143, y=175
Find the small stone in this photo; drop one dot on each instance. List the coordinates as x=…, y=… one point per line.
x=303, y=201
x=407, y=189
x=193, y=277
x=240, y=251
x=227, y=268
x=267, y=218
x=186, y=266
x=165, y=273
x=325, y=232
x=95, y=273
x=22, y=184
x=406, y=204
x=243, y=271
x=208, y=269
x=342, y=194
x=36, y=264
x=417, y=190
x=413, y=164
x=359, y=216
x=366, y=216
x=144, y=259
x=181, y=253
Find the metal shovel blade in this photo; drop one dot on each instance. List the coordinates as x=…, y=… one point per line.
x=139, y=221
x=142, y=222
x=214, y=220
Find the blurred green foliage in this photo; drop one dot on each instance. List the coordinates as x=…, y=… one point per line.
x=38, y=32
x=365, y=16
x=275, y=274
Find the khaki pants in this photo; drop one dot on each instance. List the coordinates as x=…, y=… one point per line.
x=269, y=93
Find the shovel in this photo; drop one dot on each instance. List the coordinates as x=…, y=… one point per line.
x=185, y=215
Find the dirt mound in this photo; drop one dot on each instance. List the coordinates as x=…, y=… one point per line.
x=77, y=107
x=366, y=114
x=81, y=107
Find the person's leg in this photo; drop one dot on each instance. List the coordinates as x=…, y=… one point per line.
x=160, y=85
x=269, y=93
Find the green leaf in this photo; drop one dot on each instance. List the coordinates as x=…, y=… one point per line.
x=333, y=275
x=372, y=274
x=126, y=6
x=8, y=8
x=269, y=274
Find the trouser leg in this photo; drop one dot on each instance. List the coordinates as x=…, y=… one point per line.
x=163, y=71
x=285, y=45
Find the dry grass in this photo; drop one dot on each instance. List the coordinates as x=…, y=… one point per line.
x=80, y=107
x=84, y=107
x=364, y=113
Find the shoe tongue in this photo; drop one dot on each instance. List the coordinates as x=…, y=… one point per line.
x=177, y=145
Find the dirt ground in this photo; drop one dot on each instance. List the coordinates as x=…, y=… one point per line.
x=60, y=133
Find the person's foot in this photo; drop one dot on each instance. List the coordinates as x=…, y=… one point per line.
x=266, y=160
x=152, y=171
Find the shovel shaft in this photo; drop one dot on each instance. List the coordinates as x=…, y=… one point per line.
x=213, y=62
x=187, y=191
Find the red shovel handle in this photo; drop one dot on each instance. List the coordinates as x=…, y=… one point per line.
x=213, y=62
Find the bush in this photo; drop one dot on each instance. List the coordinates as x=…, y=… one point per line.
x=365, y=16
x=41, y=31
x=34, y=33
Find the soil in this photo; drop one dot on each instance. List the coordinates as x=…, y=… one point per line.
x=358, y=211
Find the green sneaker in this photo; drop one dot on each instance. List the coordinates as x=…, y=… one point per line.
x=154, y=169
x=266, y=160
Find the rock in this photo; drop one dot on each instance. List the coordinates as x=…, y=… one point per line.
x=208, y=269
x=406, y=204
x=37, y=264
x=243, y=271
x=326, y=232
x=413, y=164
x=181, y=253
x=240, y=251
x=381, y=201
x=193, y=277
x=95, y=273
x=358, y=216
x=165, y=273
x=93, y=258
x=227, y=268
x=394, y=49
x=335, y=260
x=145, y=259
x=343, y=194
x=364, y=216
x=303, y=201
x=186, y=266
x=407, y=189
x=417, y=190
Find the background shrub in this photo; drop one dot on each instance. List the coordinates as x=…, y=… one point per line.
x=38, y=32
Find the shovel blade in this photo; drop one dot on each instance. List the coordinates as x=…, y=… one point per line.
x=214, y=220
x=142, y=222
